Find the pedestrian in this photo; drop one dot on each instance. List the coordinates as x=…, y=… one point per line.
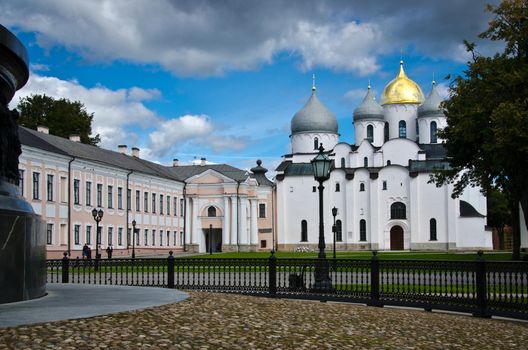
x=85, y=251
x=109, y=251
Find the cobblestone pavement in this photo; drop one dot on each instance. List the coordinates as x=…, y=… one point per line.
x=225, y=321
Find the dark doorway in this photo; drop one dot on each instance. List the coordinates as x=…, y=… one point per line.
x=216, y=240
x=396, y=238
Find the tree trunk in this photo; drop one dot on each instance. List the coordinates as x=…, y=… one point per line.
x=500, y=233
x=516, y=232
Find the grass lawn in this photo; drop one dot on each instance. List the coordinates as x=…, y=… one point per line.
x=492, y=256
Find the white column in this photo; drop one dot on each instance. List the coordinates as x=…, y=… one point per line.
x=243, y=221
x=187, y=221
x=225, y=230
x=195, y=228
x=254, y=228
x=234, y=223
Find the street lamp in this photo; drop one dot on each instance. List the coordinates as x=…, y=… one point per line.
x=334, y=228
x=321, y=168
x=133, y=239
x=98, y=216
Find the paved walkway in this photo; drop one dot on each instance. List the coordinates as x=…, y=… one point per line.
x=69, y=301
x=228, y=321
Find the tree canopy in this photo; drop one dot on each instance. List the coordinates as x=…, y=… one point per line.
x=63, y=117
x=487, y=114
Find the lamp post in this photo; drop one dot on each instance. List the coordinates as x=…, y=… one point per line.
x=98, y=216
x=133, y=239
x=321, y=168
x=211, y=239
x=334, y=228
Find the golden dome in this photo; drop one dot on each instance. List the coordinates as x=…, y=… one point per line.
x=401, y=90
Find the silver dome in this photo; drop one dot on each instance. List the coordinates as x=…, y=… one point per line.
x=369, y=108
x=431, y=106
x=314, y=117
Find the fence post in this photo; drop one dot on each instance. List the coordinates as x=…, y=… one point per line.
x=272, y=274
x=65, y=268
x=374, y=280
x=481, y=286
x=170, y=270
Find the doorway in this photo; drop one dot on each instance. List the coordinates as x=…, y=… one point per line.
x=215, y=240
x=396, y=238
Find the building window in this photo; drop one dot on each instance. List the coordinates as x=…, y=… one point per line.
x=384, y=185
x=138, y=200
x=402, y=126
x=88, y=235
x=337, y=187
x=119, y=198
x=362, y=230
x=417, y=132
x=314, y=189
x=77, y=234
x=398, y=210
x=76, y=191
x=263, y=243
x=145, y=202
x=110, y=196
x=129, y=198
x=262, y=210
x=153, y=202
x=153, y=237
x=211, y=212
x=110, y=236
x=99, y=235
x=129, y=231
x=146, y=237
x=316, y=143
x=49, y=234
x=182, y=207
x=304, y=231
x=339, y=231
x=21, y=181
x=168, y=205
x=99, y=195
x=370, y=133
x=389, y=162
x=175, y=206
x=343, y=165
x=365, y=162
x=168, y=240
x=182, y=238
x=434, y=138
x=119, y=236
x=161, y=204
x=161, y=238
x=136, y=234
x=36, y=180
x=432, y=230
x=362, y=187
x=49, y=188
x=386, y=132
x=88, y=200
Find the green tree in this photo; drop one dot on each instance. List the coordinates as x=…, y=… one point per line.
x=499, y=213
x=487, y=113
x=63, y=117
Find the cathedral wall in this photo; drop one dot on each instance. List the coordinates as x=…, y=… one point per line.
x=360, y=131
x=396, y=112
x=304, y=142
x=425, y=128
x=399, y=151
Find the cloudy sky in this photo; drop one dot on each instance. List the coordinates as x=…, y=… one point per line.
x=222, y=79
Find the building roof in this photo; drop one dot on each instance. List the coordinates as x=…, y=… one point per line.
x=369, y=108
x=187, y=171
x=431, y=106
x=401, y=90
x=469, y=211
x=259, y=174
x=433, y=150
x=314, y=117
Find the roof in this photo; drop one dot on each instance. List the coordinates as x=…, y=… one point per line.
x=433, y=150
x=314, y=117
x=469, y=211
x=427, y=166
x=369, y=108
x=62, y=146
x=431, y=106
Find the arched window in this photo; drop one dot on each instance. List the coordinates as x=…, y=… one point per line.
x=432, y=230
x=434, y=138
x=342, y=162
x=386, y=132
x=338, y=187
x=362, y=230
x=304, y=231
x=361, y=187
x=370, y=133
x=211, y=212
x=316, y=143
x=398, y=211
x=365, y=162
x=417, y=132
x=402, y=126
x=388, y=162
x=384, y=185
x=339, y=231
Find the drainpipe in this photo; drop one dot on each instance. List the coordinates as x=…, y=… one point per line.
x=69, y=205
x=184, y=216
x=273, y=216
x=238, y=218
x=128, y=209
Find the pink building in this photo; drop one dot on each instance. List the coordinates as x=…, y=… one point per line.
x=191, y=207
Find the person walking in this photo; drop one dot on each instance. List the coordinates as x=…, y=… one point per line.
x=109, y=251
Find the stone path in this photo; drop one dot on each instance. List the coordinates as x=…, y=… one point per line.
x=224, y=321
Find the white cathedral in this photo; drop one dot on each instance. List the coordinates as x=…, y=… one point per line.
x=381, y=184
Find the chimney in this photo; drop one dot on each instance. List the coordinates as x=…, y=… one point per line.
x=202, y=161
x=135, y=152
x=43, y=129
x=122, y=149
x=175, y=162
x=75, y=138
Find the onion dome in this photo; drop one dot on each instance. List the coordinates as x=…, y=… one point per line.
x=369, y=108
x=314, y=117
x=431, y=106
x=402, y=90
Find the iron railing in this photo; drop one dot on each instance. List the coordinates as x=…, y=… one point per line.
x=483, y=288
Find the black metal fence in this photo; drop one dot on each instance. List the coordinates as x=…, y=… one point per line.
x=483, y=288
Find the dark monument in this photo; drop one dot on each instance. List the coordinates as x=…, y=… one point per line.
x=22, y=239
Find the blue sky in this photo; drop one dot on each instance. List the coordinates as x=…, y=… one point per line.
x=222, y=80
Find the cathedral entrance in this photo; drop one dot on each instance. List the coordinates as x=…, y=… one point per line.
x=396, y=238
x=214, y=241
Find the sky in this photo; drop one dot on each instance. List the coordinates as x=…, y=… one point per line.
x=222, y=79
